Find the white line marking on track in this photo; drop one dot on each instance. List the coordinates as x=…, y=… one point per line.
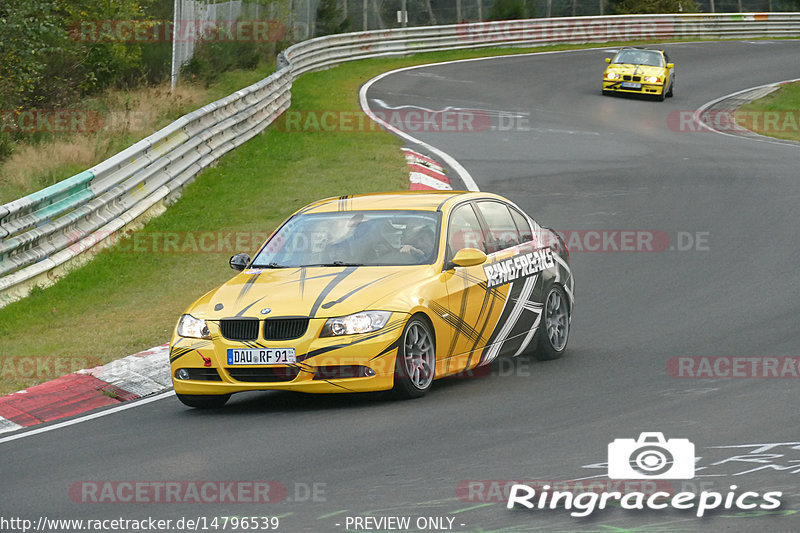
x=696, y=117
x=92, y=416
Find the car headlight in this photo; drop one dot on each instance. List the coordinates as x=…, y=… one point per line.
x=363, y=322
x=189, y=326
x=612, y=75
x=651, y=79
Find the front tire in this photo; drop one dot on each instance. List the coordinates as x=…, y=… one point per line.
x=415, y=365
x=671, y=87
x=204, y=401
x=554, y=329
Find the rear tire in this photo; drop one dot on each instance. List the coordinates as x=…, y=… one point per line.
x=204, y=401
x=554, y=328
x=415, y=365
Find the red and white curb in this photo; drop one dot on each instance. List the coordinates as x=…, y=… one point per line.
x=425, y=173
x=136, y=376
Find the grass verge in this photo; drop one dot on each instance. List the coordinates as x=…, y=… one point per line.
x=129, y=297
x=776, y=115
x=115, y=120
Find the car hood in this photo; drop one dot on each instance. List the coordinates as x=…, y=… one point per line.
x=317, y=292
x=641, y=70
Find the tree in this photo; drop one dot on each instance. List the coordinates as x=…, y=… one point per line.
x=329, y=19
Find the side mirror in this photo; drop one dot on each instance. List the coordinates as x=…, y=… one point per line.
x=468, y=257
x=670, y=65
x=239, y=261
x=608, y=60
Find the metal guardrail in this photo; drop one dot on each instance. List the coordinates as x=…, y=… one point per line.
x=46, y=230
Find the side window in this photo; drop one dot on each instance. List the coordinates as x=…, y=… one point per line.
x=502, y=230
x=464, y=231
x=525, y=233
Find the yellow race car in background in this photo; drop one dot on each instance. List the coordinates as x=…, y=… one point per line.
x=378, y=292
x=639, y=71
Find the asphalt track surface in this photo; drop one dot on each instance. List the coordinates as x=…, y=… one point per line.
x=581, y=162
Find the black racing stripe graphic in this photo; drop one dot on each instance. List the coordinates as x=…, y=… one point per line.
x=303, y=279
x=462, y=312
x=244, y=310
x=456, y=322
x=518, y=303
x=247, y=286
x=177, y=353
x=489, y=300
x=329, y=382
x=328, y=305
x=328, y=288
x=391, y=326
x=392, y=346
x=495, y=292
x=513, y=296
x=449, y=318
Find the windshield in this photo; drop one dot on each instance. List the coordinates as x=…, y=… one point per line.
x=639, y=57
x=353, y=238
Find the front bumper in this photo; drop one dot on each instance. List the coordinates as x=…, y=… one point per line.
x=645, y=88
x=319, y=362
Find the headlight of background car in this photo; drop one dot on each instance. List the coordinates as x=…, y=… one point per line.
x=189, y=326
x=612, y=75
x=651, y=79
x=363, y=322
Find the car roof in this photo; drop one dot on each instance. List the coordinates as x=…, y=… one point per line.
x=658, y=50
x=399, y=200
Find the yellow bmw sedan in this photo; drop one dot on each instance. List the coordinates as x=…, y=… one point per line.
x=378, y=292
x=640, y=71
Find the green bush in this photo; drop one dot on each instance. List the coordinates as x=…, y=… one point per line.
x=6, y=145
x=511, y=9
x=625, y=7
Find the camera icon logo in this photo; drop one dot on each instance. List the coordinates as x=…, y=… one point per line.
x=651, y=457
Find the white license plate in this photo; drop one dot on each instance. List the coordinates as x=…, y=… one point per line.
x=262, y=356
x=631, y=85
